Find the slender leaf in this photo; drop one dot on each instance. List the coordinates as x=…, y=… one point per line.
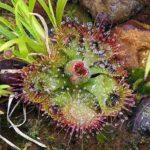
x=147, y=69
x=6, y=32
x=23, y=47
x=6, y=7
x=28, y=22
x=2, y=41
x=53, y=18
x=60, y=11
x=49, y=11
x=4, y=90
x=6, y=23
x=4, y=87
x=32, y=5
x=8, y=44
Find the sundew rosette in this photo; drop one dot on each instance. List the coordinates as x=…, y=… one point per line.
x=79, y=85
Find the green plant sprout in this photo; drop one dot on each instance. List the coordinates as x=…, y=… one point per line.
x=4, y=90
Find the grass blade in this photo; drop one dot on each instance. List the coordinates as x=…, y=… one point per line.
x=22, y=47
x=49, y=11
x=7, y=33
x=7, y=7
x=147, y=69
x=32, y=5
x=60, y=11
x=8, y=44
x=46, y=37
x=6, y=23
x=25, y=22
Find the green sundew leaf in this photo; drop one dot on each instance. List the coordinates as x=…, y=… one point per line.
x=62, y=99
x=8, y=44
x=49, y=11
x=147, y=69
x=60, y=11
x=48, y=83
x=32, y=5
x=90, y=58
x=57, y=84
x=7, y=33
x=96, y=70
x=54, y=83
x=101, y=87
x=72, y=53
x=6, y=7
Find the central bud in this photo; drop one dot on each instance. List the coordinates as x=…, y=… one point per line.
x=78, y=71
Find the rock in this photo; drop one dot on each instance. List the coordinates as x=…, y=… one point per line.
x=141, y=121
x=134, y=40
x=114, y=10
x=144, y=16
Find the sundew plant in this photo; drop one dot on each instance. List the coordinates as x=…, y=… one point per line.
x=71, y=74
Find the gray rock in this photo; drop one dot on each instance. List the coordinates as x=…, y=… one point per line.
x=114, y=10
x=141, y=121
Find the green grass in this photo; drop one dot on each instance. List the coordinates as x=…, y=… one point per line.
x=4, y=90
x=29, y=35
